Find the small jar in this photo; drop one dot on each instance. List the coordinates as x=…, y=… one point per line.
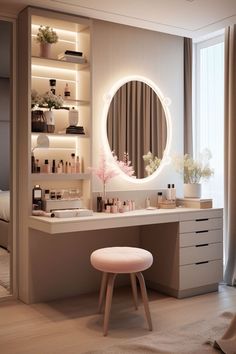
x=38, y=121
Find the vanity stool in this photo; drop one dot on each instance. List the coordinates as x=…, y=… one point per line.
x=120, y=260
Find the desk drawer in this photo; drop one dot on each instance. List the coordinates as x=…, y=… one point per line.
x=200, y=225
x=192, y=276
x=201, y=253
x=200, y=237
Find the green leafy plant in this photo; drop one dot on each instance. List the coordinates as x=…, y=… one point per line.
x=194, y=171
x=46, y=34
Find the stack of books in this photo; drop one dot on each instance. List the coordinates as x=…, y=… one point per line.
x=196, y=203
x=72, y=56
x=72, y=129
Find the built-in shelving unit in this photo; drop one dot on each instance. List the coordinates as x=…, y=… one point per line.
x=73, y=34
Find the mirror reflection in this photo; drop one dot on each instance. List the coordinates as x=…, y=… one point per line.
x=136, y=127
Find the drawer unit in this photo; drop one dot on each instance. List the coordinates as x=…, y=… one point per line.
x=200, y=237
x=198, y=275
x=201, y=253
x=200, y=224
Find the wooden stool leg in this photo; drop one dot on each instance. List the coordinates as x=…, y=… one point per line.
x=102, y=291
x=134, y=289
x=110, y=286
x=145, y=299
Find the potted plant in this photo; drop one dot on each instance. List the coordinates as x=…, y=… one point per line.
x=46, y=36
x=194, y=171
x=38, y=120
x=51, y=101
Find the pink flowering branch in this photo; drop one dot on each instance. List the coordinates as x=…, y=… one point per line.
x=103, y=172
x=125, y=165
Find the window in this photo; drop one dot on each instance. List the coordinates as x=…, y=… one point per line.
x=208, y=122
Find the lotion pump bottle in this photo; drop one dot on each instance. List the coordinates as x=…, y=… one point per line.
x=168, y=192
x=173, y=192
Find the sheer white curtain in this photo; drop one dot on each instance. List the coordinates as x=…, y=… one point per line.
x=208, y=127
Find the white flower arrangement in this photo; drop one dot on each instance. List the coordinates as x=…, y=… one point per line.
x=153, y=162
x=46, y=34
x=52, y=101
x=194, y=171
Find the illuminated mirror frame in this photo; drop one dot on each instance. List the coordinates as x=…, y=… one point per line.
x=165, y=101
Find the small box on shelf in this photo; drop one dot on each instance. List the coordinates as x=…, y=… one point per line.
x=195, y=203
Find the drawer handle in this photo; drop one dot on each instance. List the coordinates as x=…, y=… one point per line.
x=202, y=262
x=202, y=219
x=202, y=245
x=201, y=232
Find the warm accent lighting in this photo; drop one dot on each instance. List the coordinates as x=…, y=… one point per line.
x=165, y=103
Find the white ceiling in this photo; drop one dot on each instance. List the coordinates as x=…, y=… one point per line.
x=192, y=18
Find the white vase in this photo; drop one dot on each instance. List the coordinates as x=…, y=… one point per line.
x=50, y=120
x=192, y=190
x=45, y=50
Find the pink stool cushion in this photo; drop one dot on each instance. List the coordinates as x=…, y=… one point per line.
x=121, y=259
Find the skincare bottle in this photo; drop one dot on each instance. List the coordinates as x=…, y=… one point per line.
x=173, y=192
x=46, y=167
x=59, y=168
x=77, y=167
x=37, y=197
x=53, y=166
x=168, y=192
x=159, y=199
x=46, y=194
x=33, y=164
x=62, y=166
x=147, y=202
x=69, y=168
x=99, y=204
x=73, y=164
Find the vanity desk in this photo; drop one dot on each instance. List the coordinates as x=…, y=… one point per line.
x=187, y=244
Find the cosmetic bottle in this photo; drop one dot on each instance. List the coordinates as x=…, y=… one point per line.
x=59, y=168
x=69, y=168
x=62, y=166
x=173, y=192
x=37, y=197
x=77, y=167
x=99, y=204
x=73, y=163
x=46, y=194
x=133, y=204
x=147, y=202
x=46, y=167
x=67, y=91
x=53, y=166
x=168, y=192
x=33, y=163
x=159, y=199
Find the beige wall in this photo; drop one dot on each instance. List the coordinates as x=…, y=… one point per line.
x=119, y=51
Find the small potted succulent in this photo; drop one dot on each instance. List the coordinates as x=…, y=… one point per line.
x=46, y=36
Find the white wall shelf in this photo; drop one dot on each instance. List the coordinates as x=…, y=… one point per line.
x=62, y=64
x=59, y=176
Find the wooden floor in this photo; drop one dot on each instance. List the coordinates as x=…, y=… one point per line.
x=72, y=326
